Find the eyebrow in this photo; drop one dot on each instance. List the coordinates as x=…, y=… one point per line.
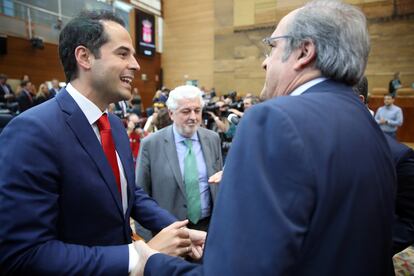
x=125, y=49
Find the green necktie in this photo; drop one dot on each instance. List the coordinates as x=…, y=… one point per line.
x=191, y=184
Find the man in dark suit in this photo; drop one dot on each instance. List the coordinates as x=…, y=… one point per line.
x=67, y=190
x=6, y=92
x=25, y=98
x=161, y=166
x=403, y=232
x=55, y=88
x=403, y=156
x=308, y=188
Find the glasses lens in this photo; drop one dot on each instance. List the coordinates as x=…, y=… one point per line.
x=266, y=47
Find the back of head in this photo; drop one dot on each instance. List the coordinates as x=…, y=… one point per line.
x=183, y=92
x=87, y=30
x=339, y=32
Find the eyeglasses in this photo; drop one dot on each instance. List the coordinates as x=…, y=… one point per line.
x=267, y=41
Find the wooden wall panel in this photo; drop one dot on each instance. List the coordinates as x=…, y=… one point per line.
x=392, y=50
x=39, y=64
x=43, y=64
x=188, y=42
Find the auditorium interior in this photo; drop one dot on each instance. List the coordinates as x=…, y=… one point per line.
x=214, y=44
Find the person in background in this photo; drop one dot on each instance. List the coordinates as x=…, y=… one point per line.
x=55, y=88
x=389, y=116
x=6, y=92
x=42, y=94
x=150, y=125
x=135, y=134
x=362, y=90
x=394, y=84
x=135, y=102
x=175, y=162
x=403, y=156
x=26, y=97
x=288, y=204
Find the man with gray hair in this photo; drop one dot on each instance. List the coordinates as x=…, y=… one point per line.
x=175, y=162
x=309, y=182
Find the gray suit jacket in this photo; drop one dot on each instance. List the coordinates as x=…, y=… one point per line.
x=158, y=171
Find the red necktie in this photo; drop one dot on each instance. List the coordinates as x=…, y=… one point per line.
x=109, y=146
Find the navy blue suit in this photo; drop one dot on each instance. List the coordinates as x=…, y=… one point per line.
x=308, y=189
x=403, y=234
x=60, y=210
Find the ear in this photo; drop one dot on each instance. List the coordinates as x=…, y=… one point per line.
x=171, y=114
x=83, y=57
x=362, y=98
x=306, y=55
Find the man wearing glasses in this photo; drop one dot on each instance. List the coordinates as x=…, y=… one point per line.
x=309, y=181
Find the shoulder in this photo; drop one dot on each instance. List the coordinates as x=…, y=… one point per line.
x=205, y=133
x=158, y=136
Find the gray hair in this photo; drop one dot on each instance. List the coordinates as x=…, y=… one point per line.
x=339, y=32
x=183, y=92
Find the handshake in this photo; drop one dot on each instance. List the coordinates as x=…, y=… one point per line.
x=174, y=240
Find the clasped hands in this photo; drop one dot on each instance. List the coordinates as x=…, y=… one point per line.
x=175, y=240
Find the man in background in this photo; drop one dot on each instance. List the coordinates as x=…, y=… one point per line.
x=6, y=92
x=389, y=116
x=55, y=88
x=25, y=98
x=175, y=162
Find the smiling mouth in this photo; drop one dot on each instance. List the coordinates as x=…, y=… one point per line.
x=127, y=80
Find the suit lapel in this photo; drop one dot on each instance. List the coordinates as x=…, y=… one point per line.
x=87, y=138
x=206, y=148
x=124, y=152
x=172, y=158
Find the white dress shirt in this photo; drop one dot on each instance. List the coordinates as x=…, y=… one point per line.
x=92, y=114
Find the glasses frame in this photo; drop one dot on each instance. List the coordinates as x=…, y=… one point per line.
x=267, y=41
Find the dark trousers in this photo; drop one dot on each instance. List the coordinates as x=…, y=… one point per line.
x=200, y=225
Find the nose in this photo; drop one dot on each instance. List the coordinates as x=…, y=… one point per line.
x=193, y=115
x=264, y=64
x=133, y=65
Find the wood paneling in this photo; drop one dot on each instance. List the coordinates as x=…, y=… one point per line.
x=43, y=64
x=147, y=88
x=188, y=42
x=39, y=64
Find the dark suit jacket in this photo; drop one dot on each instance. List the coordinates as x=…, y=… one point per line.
x=307, y=190
x=403, y=234
x=60, y=210
x=3, y=93
x=25, y=100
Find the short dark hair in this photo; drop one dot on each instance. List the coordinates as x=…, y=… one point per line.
x=361, y=88
x=85, y=29
x=24, y=83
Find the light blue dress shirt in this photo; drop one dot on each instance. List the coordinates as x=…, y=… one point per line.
x=201, y=165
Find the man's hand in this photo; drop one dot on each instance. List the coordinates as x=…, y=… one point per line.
x=383, y=121
x=173, y=240
x=144, y=252
x=215, y=178
x=198, y=238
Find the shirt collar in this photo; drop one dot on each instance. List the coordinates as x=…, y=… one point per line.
x=299, y=90
x=179, y=138
x=91, y=111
